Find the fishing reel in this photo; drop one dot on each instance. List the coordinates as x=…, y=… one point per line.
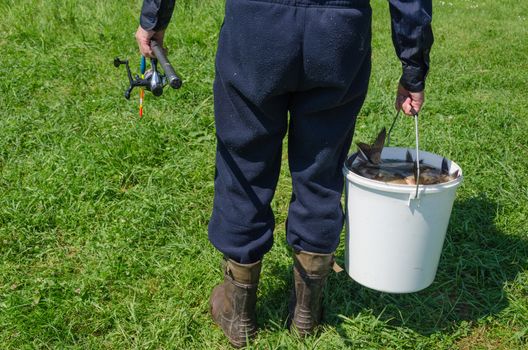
x=151, y=80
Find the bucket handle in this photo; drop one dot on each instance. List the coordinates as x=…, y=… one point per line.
x=416, y=194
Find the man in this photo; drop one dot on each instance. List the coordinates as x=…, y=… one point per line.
x=311, y=59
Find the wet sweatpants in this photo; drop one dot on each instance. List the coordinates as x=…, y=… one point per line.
x=308, y=58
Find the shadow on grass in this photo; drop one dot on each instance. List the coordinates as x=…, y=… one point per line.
x=476, y=263
x=273, y=302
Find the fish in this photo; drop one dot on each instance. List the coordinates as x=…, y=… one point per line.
x=396, y=171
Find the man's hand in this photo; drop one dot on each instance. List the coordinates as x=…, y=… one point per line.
x=409, y=102
x=143, y=38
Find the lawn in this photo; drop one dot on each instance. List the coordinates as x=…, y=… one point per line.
x=103, y=216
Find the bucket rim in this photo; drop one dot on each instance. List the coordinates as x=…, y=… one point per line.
x=400, y=188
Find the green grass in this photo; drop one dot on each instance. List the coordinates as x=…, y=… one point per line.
x=103, y=216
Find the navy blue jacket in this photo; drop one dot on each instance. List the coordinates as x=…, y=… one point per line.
x=411, y=34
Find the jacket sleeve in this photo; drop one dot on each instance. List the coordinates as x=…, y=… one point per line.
x=412, y=37
x=156, y=14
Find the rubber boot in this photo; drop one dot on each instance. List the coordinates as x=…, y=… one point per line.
x=233, y=302
x=310, y=271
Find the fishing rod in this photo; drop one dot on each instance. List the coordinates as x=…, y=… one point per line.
x=151, y=80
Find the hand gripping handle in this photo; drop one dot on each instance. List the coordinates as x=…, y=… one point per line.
x=173, y=79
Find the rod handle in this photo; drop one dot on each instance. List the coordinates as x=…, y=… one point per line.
x=173, y=79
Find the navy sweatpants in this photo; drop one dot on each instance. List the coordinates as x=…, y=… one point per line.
x=306, y=58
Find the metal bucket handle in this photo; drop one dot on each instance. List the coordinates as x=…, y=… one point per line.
x=416, y=195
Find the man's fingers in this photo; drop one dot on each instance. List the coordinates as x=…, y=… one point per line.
x=404, y=103
x=407, y=106
x=143, y=39
x=411, y=107
x=409, y=102
x=146, y=50
x=144, y=46
x=416, y=105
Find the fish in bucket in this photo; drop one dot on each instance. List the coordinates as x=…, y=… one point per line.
x=398, y=205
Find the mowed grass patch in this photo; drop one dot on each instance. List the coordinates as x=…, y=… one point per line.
x=103, y=217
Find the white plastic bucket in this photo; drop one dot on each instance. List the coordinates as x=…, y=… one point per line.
x=394, y=238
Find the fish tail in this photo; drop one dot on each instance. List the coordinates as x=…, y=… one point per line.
x=445, y=167
x=408, y=157
x=377, y=147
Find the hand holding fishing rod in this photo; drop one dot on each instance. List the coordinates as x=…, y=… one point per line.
x=151, y=80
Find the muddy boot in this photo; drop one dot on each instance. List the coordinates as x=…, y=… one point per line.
x=233, y=302
x=310, y=271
